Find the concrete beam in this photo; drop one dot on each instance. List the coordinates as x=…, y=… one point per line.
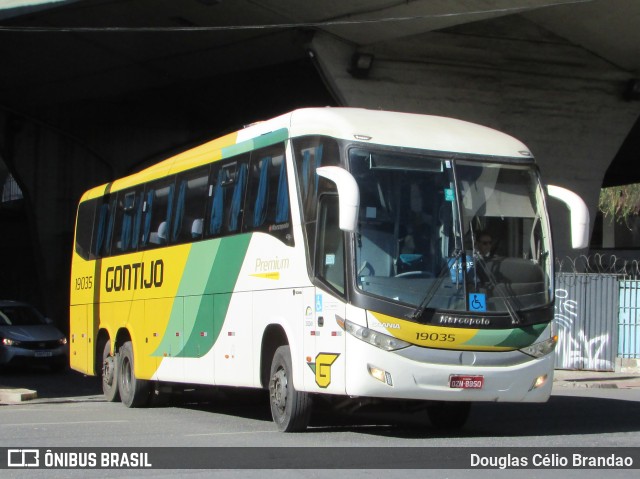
x=565, y=103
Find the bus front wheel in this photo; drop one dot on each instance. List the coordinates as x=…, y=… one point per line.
x=134, y=392
x=109, y=374
x=290, y=409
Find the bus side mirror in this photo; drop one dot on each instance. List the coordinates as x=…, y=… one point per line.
x=348, y=194
x=579, y=215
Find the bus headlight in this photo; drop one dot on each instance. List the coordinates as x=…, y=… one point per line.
x=379, y=340
x=540, y=349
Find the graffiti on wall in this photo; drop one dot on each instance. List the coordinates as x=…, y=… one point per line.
x=576, y=349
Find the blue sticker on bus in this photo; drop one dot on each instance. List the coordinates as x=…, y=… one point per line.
x=449, y=195
x=455, y=268
x=477, y=302
x=318, y=303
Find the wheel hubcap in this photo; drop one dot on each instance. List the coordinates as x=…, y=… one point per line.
x=278, y=390
x=107, y=370
x=126, y=375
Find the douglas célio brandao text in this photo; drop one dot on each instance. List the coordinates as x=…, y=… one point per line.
x=550, y=460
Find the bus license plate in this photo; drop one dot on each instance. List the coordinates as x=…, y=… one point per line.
x=466, y=382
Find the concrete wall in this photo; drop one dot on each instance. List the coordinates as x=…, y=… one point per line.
x=565, y=103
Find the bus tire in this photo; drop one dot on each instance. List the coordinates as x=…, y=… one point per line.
x=448, y=415
x=290, y=409
x=109, y=374
x=134, y=392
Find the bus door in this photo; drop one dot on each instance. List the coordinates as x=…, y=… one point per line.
x=324, y=345
x=323, y=334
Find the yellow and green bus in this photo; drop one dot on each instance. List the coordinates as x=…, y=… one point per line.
x=328, y=251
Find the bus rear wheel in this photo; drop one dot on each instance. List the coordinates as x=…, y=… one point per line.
x=109, y=374
x=134, y=392
x=290, y=409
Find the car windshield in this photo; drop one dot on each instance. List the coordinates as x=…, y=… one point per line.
x=450, y=234
x=19, y=315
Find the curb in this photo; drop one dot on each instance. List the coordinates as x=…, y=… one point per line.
x=577, y=385
x=630, y=382
x=17, y=395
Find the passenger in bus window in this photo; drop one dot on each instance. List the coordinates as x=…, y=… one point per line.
x=484, y=244
x=417, y=240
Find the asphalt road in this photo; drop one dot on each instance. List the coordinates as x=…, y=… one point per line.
x=580, y=416
x=71, y=412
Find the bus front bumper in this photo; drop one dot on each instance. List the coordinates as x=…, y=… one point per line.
x=372, y=372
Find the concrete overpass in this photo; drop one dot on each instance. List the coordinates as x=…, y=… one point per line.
x=94, y=89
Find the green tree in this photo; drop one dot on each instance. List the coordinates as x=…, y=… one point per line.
x=620, y=202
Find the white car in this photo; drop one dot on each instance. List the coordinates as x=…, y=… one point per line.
x=28, y=338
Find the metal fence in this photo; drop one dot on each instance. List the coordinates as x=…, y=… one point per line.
x=628, y=323
x=586, y=315
x=597, y=311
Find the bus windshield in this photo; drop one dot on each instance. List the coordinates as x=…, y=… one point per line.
x=451, y=234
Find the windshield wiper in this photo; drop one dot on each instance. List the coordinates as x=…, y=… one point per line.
x=478, y=259
x=418, y=312
x=501, y=288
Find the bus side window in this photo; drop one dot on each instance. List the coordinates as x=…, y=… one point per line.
x=237, y=199
x=216, y=211
x=330, y=259
x=312, y=153
x=267, y=204
x=104, y=229
x=158, y=211
x=146, y=211
x=99, y=229
x=283, y=211
x=259, y=192
x=126, y=217
x=84, y=228
x=226, y=197
x=190, y=205
x=137, y=221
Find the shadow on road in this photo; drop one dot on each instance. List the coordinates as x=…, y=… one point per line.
x=562, y=415
x=50, y=384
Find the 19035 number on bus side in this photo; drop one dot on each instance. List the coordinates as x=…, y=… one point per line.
x=84, y=282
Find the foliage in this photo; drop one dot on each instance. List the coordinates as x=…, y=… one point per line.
x=620, y=202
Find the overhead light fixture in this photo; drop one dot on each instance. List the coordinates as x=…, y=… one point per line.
x=361, y=65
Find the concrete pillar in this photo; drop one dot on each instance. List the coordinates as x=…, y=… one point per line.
x=53, y=171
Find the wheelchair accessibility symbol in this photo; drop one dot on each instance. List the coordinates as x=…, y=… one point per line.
x=477, y=302
x=318, y=303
